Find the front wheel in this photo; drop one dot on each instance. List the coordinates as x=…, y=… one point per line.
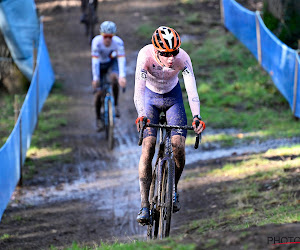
x=152, y=229
x=110, y=126
x=166, y=199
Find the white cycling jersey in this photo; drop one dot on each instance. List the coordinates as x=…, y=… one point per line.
x=103, y=54
x=152, y=74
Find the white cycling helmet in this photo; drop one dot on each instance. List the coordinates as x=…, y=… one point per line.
x=108, y=27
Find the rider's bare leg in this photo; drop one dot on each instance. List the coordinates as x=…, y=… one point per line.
x=85, y=2
x=115, y=86
x=97, y=100
x=145, y=168
x=178, y=146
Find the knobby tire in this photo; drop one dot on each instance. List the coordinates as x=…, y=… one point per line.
x=166, y=200
x=110, y=126
x=152, y=229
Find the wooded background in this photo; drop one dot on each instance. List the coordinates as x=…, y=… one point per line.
x=282, y=17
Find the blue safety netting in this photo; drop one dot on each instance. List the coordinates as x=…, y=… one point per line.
x=16, y=146
x=241, y=22
x=9, y=166
x=277, y=59
x=45, y=73
x=20, y=27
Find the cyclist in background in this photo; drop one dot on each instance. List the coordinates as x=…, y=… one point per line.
x=108, y=56
x=157, y=89
x=84, y=4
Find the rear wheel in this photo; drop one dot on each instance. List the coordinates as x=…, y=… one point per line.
x=166, y=200
x=110, y=126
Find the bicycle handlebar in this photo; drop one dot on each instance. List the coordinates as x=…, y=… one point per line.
x=141, y=133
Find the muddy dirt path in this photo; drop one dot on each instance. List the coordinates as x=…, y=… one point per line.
x=96, y=198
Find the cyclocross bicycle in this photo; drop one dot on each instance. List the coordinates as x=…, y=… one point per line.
x=91, y=21
x=109, y=115
x=163, y=179
x=108, y=111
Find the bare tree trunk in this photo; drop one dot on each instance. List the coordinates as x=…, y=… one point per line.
x=275, y=7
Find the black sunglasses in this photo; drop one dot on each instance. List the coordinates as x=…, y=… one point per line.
x=169, y=54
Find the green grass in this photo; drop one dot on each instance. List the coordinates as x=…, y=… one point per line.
x=234, y=90
x=17, y=218
x=51, y=118
x=5, y=237
x=189, y=2
x=264, y=166
x=146, y=30
x=211, y=243
x=45, y=145
x=45, y=148
x=38, y=158
x=135, y=245
x=193, y=18
x=263, y=189
x=7, y=119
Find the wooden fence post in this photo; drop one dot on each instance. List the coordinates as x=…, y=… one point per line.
x=20, y=183
x=295, y=85
x=37, y=96
x=222, y=12
x=35, y=68
x=258, y=38
x=16, y=114
x=16, y=108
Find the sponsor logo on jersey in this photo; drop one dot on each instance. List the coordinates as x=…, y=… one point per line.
x=144, y=74
x=186, y=71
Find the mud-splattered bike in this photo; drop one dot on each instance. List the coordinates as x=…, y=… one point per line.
x=91, y=20
x=109, y=114
x=163, y=179
x=107, y=110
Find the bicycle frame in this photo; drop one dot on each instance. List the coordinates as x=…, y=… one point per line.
x=165, y=141
x=163, y=180
x=108, y=96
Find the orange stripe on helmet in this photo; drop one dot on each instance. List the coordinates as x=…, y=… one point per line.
x=179, y=39
x=152, y=39
x=175, y=38
x=164, y=42
x=157, y=43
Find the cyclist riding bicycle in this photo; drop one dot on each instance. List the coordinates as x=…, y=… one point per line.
x=157, y=89
x=84, y=4
x=108, y=56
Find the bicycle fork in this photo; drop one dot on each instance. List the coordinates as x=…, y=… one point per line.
x=106, y=113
